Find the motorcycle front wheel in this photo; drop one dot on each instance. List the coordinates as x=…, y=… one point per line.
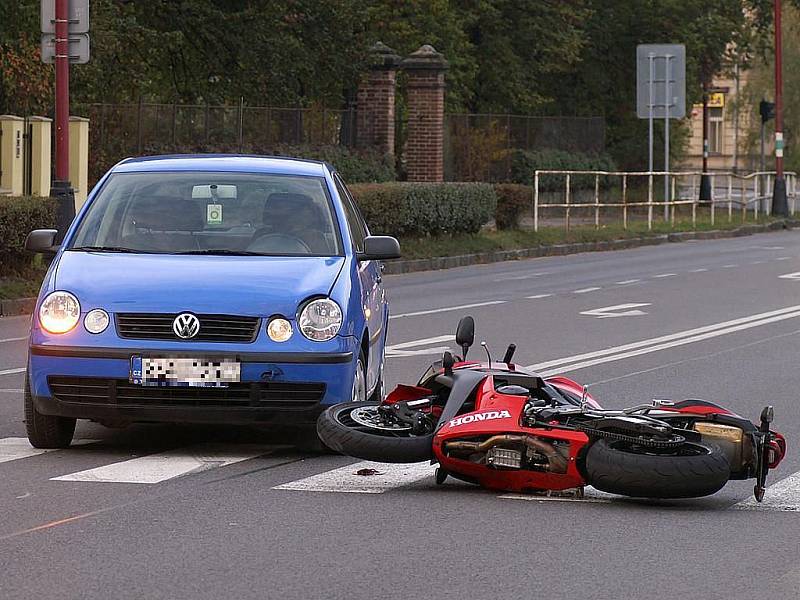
x=364, y=437
x=687, y=471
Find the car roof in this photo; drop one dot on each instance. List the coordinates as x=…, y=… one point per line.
x=233, y=163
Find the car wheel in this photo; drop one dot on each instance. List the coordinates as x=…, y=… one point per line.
x=359, y=393
x=379, y=393
x=46, y=431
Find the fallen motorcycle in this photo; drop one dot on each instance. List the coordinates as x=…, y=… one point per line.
x=506, y=428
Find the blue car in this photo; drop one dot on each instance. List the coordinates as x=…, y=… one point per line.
x=207, y=289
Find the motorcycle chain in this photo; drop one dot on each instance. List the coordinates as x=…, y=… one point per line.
x=621, y=437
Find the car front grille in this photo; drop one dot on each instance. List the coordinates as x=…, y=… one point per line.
x=122, y=393
x=213, y=328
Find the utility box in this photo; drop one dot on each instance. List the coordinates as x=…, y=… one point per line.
x=11, y=155
x=40, y=155
x=79, y=158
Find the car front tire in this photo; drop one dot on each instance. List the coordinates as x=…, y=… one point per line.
x=46, y=431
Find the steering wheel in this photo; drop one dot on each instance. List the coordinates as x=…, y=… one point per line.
x=280, y=243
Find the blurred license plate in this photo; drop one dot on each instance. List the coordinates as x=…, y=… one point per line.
x=186, y=372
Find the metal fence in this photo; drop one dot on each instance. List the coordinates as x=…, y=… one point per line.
x=121, y=130
x=479, y=147
x=623, y=194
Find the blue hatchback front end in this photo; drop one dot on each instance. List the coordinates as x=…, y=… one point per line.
x=211, y=289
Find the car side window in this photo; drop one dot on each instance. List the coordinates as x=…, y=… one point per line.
x=358, y=229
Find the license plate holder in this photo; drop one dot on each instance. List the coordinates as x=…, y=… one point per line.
x=164, y=371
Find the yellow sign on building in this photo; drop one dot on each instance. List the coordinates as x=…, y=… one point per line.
x=715, y=100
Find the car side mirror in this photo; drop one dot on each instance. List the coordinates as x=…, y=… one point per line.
x=380, y=247
x=42, y=240
x=465, y=334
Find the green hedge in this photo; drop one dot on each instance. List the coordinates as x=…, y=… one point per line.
x=513, y=200
x=525, y=162
x=422, y=209
x=18, y=216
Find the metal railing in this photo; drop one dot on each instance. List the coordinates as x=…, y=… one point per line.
x=634, y=192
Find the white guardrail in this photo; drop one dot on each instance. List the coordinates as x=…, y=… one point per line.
x=752, y=191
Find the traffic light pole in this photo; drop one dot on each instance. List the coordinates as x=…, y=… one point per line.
x=61, y=188
x=780, y=206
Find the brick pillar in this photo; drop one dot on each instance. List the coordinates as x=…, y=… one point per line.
x=375, y=101
x=424, y=149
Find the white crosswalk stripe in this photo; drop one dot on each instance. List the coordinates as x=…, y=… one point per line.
x=363, y=478
x=16, y=448
x=155, y=468
x=783, y=495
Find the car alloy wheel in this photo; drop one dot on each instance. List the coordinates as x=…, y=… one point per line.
x=359, y=382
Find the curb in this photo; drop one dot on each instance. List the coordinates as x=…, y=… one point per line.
x=398, y=267
x=17, y=306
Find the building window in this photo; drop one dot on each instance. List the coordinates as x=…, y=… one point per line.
x=715, y=130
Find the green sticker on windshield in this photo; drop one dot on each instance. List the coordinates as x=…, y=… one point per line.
x=214, y=214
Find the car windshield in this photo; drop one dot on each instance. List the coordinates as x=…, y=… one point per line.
x=211, y=213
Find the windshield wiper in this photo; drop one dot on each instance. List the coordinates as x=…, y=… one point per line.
x=105, y=249
x=223, y=252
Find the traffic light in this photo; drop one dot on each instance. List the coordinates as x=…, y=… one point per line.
x=767, y=110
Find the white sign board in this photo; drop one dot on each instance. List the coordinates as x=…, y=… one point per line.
x=78, y=16
x=661, y=81
x=78, y=48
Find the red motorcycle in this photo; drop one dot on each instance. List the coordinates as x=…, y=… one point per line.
x=506, y=428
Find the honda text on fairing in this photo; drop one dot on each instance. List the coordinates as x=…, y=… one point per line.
x=506, y=428
x=220, y=289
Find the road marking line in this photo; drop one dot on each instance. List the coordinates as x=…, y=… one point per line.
x=12, y=371
x=346, y=479
x=156, y=468
x=757, y=262
x=511, y=277
x=19, y=339
x=663, y=275
x=608, y=311
x=396, y=350
x=664, y=338
x=15, y=448
x=729, y=266
x=538, y=296
x=794, y=276
x=701, y=270
x=783, y=495
x=586, y=290
x=784, y=258
x=665, y=346
x=447, y=309
x=10, y=391
x=627, y=281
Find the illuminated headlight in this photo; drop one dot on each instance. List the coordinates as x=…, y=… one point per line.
x=279, y=329
x=320, y=319
x=59, y=312
x=96, y=321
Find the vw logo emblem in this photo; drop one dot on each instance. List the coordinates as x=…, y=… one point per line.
x=186, y=326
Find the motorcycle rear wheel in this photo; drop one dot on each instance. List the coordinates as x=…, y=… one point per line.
x=340, y=433
x=689, y=471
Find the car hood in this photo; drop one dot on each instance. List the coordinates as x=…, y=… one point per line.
x=240, y=285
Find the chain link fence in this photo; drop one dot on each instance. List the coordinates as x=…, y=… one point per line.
x=480, y=147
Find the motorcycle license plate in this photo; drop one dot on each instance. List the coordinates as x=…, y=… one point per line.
x=184, y=372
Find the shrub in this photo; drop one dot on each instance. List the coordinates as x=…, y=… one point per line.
x=525, y=162
x=355, y=166
x=513, y=200
x=18, y=216
x=420, y=209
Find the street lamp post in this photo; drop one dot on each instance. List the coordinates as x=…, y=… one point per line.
x=780, y=206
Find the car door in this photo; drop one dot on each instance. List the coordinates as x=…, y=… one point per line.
x=373, y=299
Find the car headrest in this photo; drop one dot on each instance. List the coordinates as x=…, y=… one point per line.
x=287, y=202
x=168, y=214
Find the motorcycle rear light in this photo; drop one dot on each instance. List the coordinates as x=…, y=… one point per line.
x=503, y=457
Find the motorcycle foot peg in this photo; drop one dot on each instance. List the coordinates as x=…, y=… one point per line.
x=758, y=492
x=441, y=475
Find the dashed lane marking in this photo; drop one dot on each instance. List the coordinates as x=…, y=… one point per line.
x=587, y=290
x=405, y=348
x=700, y=270
x=447, y=309
x=12, y=371
x=793, y=276
x=16, y=339
x=663, y=275
x=375, y=478
x=538, y=296
x=627, y=281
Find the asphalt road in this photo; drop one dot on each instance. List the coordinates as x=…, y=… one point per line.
x=712, y=319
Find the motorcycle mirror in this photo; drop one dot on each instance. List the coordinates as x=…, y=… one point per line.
x=447, y=362
x=767, y=415
x=509, y=353
x=465, y=334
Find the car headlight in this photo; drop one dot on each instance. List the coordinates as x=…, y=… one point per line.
x=279, y=329
x=59, y=312
x=96, y=321
x=320, y=319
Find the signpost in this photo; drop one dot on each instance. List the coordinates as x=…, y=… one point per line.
x=661, y=94
x=64, y=24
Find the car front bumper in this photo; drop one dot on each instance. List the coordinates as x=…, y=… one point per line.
x=281, y=388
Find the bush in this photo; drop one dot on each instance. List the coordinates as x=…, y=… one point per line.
x=525, y=162
x=18, y=216
x=513, y=200
x=421, y=209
